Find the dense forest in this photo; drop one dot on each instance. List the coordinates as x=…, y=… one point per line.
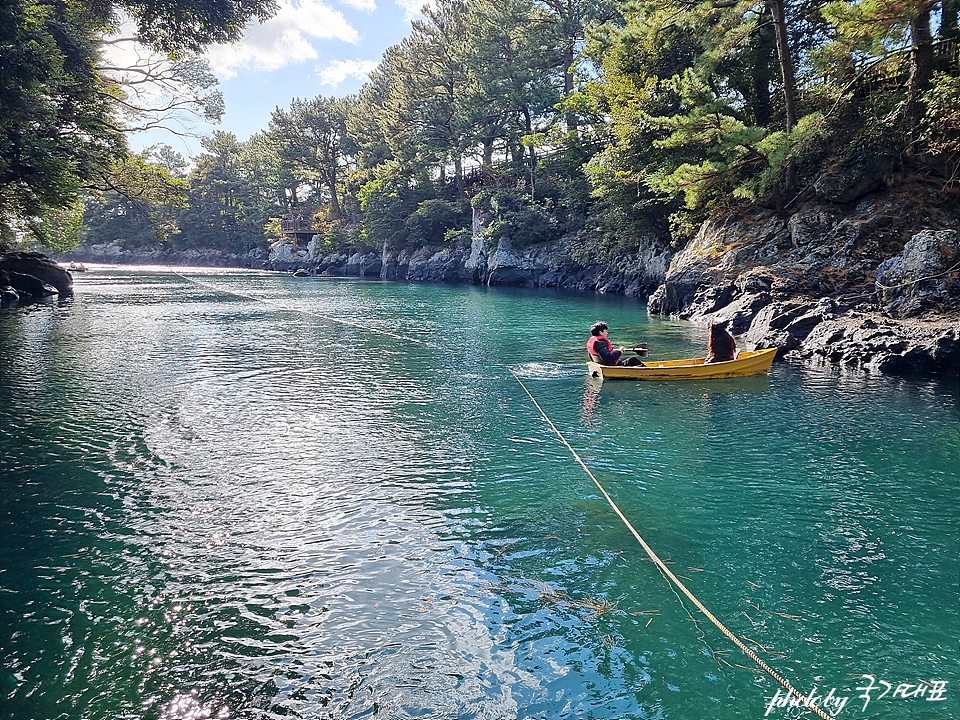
x=592, y=121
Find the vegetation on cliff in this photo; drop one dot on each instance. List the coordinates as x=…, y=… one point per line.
x=596, y=121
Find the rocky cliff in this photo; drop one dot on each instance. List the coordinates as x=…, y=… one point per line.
x=113, y=253
x=869, y=284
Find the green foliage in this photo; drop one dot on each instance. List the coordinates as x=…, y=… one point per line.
x=141, y=202
x=228, y=207
x=671, y=111
x=338, y=235
x=433, y=219
x=388, y=200
x=312, y=141
x=60, y=227
x=63, y=112
x=117, y=219
x=175, y=28
x=516, y=218
x=942, y=123
x=55, y=130
x=458, y=236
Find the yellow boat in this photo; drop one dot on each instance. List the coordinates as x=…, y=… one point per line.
x=748, y=362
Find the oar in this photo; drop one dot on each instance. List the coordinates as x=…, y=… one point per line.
x=639, y=349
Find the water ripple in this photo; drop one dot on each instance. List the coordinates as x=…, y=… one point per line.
x=217, y=500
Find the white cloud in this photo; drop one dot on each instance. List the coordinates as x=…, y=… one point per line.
x=412, y=8
x=338, y=71
x=368, y=5
x=282, y=40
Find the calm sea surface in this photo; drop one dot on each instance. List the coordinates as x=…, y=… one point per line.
x=243, y=495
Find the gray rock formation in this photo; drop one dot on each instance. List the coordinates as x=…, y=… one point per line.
x=113, y=253
x=923, y=277
x=822, y=285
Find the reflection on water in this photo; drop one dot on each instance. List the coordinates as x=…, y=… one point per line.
x=217, y=500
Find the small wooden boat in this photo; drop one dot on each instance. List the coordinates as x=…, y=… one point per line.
x=748, y=362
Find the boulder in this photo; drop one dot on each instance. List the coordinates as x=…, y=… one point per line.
x=364, y=265
x=40, y=267
x=739, y=315
x=431, y=265
x=8, y=295
x=285, y=255
x=665, y=300
x=879, y=344
x=768, y=328
x=708, y=299
x=854, y=178
x=30, y=286
x=922, y=277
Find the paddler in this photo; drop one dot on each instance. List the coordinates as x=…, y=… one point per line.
x=601, y=350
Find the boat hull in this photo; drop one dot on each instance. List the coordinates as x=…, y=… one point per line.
x=750, y=362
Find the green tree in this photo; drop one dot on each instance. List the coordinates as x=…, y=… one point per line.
x=62, y=113
x=55, y=130
x=312, y=141
x=879, y=33
x=689, y=88
x=226, y=210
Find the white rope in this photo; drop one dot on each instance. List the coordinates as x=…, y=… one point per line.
x=669, y=574
x=653, y=556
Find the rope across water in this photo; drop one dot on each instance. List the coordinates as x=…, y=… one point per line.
x=669, y=574
x=653, y=556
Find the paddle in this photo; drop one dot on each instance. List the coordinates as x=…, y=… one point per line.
x=639, y=349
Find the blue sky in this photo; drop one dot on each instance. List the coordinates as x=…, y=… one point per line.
x=309, y=48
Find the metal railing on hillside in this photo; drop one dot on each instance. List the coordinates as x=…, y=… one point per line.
x=877, y=71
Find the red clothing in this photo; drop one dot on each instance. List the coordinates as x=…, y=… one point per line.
x=599, y=347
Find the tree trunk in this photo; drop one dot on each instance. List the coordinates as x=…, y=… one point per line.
x=487, y=152
x=762, y=103
x=486, y=160
x=334, y=202
x=458, y=169
x=921, y=69
x=789, y=84
x=786, y=62
x=570, y=117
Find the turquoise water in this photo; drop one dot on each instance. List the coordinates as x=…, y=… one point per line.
x=241, y=495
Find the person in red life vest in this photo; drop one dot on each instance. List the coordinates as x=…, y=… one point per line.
x=601, y=349
x=721, y=346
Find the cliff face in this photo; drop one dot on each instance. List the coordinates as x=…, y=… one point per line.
x=870, y=284
x=856, y=276
x=481, y=262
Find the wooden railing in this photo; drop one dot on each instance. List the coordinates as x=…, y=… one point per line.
x=291, y=226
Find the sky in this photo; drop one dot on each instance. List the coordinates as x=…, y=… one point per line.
x=309, y=48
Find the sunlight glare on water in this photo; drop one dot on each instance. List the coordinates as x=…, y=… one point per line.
x=230, y=494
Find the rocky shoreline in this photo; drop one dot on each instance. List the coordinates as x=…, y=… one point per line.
x=867, y=279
